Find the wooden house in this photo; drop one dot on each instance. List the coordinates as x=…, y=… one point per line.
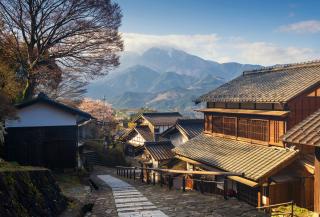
x=183, y=131
x=306, y=137
x=45, y=134
x=148, y=128
x=244, y=122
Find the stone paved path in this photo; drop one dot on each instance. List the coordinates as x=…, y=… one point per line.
x=129, y=201
x=173, y=203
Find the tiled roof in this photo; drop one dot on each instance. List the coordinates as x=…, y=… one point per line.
x=162, y=118
x=274, y=84
x=307, y=132
x=255, y=161
x=192, y=127
x=160, y=150
x=145, y=132
x=43, y=98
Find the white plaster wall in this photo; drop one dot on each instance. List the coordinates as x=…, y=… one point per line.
x=138, y=139
x=39, y=115
x=178, y=139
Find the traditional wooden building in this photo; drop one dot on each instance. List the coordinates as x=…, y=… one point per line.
x=45, y=134
x=149, y=127
x=306, y=137
x=183, y=131
x=245, y=120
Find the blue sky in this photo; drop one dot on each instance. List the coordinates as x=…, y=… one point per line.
x=247, y=31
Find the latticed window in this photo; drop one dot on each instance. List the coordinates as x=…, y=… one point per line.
x=243, y=127
x=229, y=126
x=217, y=124
x=253, y=129
x=259, y=130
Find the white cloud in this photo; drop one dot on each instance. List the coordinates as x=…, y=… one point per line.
x=217, y=48
x=201, y=45
x=308, y=26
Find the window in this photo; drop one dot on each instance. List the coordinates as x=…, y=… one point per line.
x=233, y=105
x=217, y=124
x=229, y=126
x=259, y=130
x=210, y=104
x=253, y=129
x=264, y=106
x=220, y=105
x=243, y=128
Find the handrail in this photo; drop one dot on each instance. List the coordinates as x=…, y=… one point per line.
x=275, y=205
x=186, y=171
x=276, y=213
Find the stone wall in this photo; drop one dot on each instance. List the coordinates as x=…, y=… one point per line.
x=25, y=193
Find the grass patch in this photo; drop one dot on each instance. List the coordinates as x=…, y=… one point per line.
x=13, y=166
x=110, y=156
x=69, y=180
x=298, y=211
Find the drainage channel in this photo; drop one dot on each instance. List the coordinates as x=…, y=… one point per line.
x=129, y=201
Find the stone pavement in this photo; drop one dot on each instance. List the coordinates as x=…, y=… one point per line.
x=173, y=203
x=129, y=201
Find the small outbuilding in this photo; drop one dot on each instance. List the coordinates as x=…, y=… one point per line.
x=45, y=133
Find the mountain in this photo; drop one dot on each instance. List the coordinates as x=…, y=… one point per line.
x=163, y=79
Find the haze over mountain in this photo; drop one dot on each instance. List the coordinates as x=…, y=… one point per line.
x=163, y=79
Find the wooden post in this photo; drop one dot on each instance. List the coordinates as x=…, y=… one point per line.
x=161, y=179
x=154, y=177
x=130, y=173
x=317, y=180
x=169, y=182
x=134, y=174
x=225, y=188
x=183, y=183
x=292, y=212
x=148, y=178
x=141, y=174
x=201, y=186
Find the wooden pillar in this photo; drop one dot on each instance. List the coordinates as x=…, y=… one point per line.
x=317, y=180
x=183, y=183
x=225, y=188
x=161, y=179
x=134, y=174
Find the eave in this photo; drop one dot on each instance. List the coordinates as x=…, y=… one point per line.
x=271, y=113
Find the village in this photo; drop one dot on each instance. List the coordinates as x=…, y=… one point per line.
x=85, y=134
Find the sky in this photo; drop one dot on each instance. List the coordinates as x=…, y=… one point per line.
x=262, y=32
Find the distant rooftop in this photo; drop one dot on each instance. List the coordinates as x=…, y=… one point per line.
x=307, y=132
x=277, y=84
x=162, y=118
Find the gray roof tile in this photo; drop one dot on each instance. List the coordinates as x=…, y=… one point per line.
x=255, y=161
x=274, y=84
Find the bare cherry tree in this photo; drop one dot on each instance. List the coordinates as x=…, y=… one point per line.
x=60, y=39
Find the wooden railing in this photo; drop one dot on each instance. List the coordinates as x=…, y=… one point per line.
x=166, y=177
x=277, y=212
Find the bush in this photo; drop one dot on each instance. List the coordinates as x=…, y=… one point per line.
x=108, y=156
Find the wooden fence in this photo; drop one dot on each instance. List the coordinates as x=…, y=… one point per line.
x=272, y=212
x=166, y=177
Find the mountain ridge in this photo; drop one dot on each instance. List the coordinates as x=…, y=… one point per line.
x=163, y=79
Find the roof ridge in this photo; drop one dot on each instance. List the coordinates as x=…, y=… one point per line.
x=279, y=67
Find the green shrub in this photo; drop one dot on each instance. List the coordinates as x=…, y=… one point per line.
x=108, y=156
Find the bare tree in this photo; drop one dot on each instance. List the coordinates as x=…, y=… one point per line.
x=57, y=38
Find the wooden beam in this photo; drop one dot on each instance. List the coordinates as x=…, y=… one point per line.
x=234, y=178
x=317, y=180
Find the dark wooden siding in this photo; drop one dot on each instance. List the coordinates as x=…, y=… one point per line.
x=52, y=147
x=302, y=106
